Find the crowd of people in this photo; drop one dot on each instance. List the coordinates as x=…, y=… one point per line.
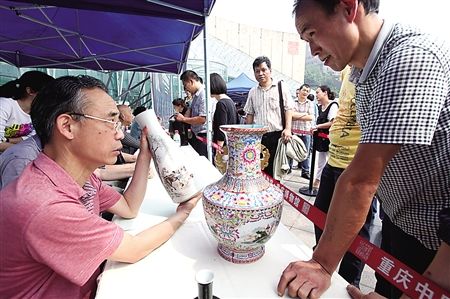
x=68, y=139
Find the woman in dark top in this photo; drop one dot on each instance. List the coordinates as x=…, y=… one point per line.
x=179, y=105
x=225, y=113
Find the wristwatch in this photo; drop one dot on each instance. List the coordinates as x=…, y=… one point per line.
x=4, y=139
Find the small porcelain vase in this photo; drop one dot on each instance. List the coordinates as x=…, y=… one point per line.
x=242, y=209
x=174, y=169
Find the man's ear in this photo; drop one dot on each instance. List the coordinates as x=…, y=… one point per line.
x=65, y=126
x=351, y=8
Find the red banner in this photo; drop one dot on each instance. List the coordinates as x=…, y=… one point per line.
x=397, y=273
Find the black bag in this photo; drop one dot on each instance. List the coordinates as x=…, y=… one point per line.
x=322, y=144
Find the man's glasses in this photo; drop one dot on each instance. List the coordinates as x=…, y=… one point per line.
x=117, y=124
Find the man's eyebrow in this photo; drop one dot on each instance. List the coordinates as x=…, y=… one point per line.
x=304, y=28
x=113, y=113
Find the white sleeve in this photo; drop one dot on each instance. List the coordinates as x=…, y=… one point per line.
x=5, y=114
x=333, y=112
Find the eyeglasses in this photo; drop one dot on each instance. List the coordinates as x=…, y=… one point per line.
x=117, y=124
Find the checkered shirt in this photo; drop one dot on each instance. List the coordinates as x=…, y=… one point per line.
x=405, y=99
x=306, y=107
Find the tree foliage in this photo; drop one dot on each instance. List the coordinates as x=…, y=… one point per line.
x=317, y=74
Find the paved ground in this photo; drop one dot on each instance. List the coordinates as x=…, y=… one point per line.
x=304, y=229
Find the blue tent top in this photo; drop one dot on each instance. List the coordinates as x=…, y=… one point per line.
x=135, y=35
x=238, y=88
x=241, y=82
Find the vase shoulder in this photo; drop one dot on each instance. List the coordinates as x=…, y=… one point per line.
x=245, y=194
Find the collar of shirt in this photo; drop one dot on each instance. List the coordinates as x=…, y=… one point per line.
x=199, y=90
x=267, y=88
x=58, y=176
x=301, y=103
x=359, y=76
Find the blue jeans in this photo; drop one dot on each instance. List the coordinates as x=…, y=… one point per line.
x=306, y=165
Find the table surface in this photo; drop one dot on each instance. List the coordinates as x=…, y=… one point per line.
x=169, y=271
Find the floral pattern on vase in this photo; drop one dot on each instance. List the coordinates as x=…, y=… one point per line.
x=176, y=174
x=242, y=209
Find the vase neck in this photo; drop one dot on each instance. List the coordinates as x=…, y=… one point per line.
x=244, y=154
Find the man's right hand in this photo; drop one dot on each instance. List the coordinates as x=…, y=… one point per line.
x=179, y=117
x=304, y=280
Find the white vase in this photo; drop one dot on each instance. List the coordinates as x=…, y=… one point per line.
x=174, y=170
x=242, y=209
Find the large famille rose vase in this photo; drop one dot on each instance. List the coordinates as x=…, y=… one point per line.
x=242, y=209
x=176, y=174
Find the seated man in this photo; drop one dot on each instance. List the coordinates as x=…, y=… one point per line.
x=14, y=160
x=53, y=239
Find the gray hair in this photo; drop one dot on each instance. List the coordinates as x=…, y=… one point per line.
x=62, y=95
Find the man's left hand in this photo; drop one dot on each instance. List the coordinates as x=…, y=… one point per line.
x=287, y=135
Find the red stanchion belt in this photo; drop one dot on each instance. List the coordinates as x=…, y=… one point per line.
x=303, y=132
x=397, y=273
x=214, y=145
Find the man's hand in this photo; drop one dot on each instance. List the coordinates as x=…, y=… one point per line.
x=179, y=117
x=144, y=146
x=304, y=280
x=188, y=205
x=287, y=135
x=355, y=293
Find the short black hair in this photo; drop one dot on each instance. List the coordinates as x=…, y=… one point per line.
x=261, y=59
x=190, y=75
x=304, y=85
x=217, y=84
x=370, y=6
x=62, y=95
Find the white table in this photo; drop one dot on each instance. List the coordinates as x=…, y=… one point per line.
x=169, y=272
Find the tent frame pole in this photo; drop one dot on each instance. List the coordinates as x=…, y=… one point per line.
x=207, y=91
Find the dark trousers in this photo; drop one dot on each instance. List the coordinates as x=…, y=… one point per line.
x=270, y=140
x=405, y=248
x=351, y=267
x=199, y=146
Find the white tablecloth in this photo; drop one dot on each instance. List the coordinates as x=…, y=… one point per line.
x=169, y=271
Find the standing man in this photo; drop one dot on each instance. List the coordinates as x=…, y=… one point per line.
x=263, y=108
x=197, y=112
x=53, y=240
x=302, y=117
x=402, y=80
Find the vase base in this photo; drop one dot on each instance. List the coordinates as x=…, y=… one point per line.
x=241, y=256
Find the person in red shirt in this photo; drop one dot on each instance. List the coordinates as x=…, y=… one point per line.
x=53, y=239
